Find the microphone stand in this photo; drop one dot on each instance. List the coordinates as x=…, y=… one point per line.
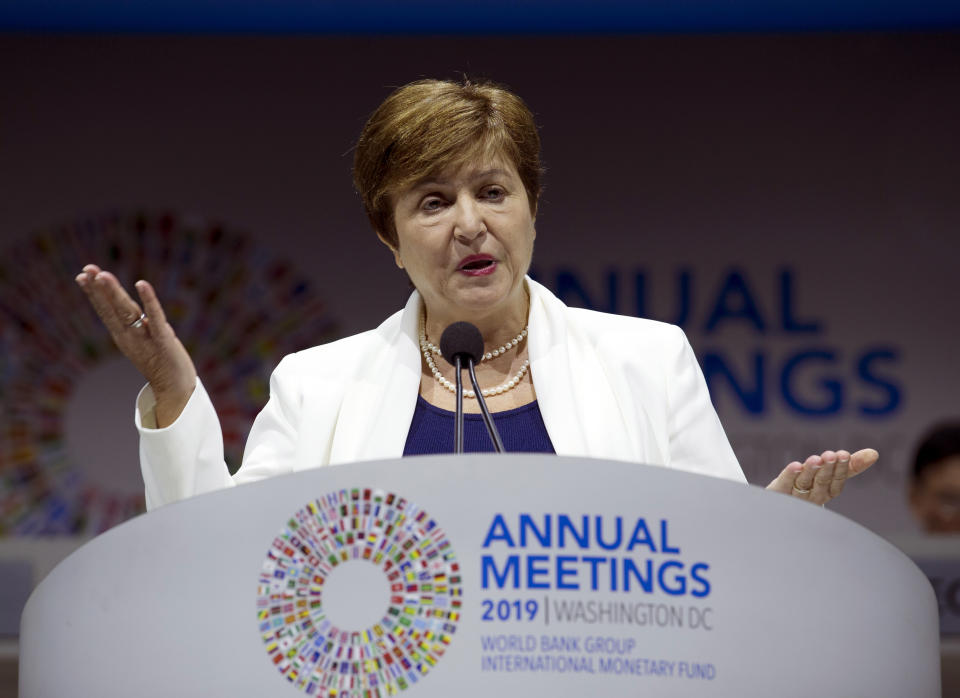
x=487, y=419
x=462, y=340
x=458, y=420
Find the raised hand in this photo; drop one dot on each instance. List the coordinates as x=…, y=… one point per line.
x=145, y=338
x=821, y=478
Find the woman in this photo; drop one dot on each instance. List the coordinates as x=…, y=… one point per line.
x=449, y=175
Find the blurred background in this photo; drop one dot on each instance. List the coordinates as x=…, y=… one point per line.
x=778, y=178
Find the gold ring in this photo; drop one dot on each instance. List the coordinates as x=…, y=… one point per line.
x=139, y=321
x=799, y=491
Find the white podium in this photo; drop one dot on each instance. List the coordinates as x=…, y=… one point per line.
x=478, y=575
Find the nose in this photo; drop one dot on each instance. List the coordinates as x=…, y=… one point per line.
x=468, y=223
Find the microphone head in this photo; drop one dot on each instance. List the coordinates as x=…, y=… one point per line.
x=461, y=338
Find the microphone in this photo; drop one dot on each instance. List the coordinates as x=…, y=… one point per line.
x=463, y=341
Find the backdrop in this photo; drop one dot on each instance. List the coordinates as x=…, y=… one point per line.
x=789, y=200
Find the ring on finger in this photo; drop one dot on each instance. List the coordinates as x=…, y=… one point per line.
x=798, y=490
x=139, y=321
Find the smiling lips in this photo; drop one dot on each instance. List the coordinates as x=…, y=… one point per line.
x=477, y=265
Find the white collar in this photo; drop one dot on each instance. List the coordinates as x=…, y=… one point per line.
x=579, y=407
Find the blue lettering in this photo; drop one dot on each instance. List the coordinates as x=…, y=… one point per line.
x=630, y=569
x=808, y=384
x=533, y=571
x=594, y=562
x=641, y=536
x=832, y=387
x=598, y=521
x=563, y=571
x=735, y=302
x=664, y=545
x=566, y=525
x=568, y=288
x=695, y=576
x=679, y=580
x=752, y=398
x=892, y=391
x=527, y=524
x=684, y=292
x=490, y=567
x=498, y=531
x=788, y=320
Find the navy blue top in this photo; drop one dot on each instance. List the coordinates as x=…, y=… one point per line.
x=521, y=430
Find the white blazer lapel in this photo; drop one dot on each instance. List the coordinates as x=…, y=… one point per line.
x=579, y=408
x=549, y=370
x=378, y=405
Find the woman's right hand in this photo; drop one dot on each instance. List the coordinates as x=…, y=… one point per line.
x=150, y=344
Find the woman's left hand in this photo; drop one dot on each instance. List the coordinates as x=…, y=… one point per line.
x=821, y=478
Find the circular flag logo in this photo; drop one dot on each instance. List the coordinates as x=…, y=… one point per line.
x=359, y=595
x=237, y=306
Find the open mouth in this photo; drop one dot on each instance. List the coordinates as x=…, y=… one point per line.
x=477, y=265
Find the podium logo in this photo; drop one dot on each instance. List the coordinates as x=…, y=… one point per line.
x=359, y=595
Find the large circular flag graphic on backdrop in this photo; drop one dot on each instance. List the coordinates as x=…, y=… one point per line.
x=359, y=596
x=237, y=307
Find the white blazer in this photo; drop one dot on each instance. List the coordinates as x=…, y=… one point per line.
x=608, y=386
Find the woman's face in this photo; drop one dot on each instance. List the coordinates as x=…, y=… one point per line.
x=465, y=237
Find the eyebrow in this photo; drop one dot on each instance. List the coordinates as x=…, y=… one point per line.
x=431, y=181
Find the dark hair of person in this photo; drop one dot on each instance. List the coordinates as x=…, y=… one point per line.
x=941, y=443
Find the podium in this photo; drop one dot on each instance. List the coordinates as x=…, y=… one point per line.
x=477, y=575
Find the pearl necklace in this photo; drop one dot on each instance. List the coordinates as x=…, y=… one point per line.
x=489, y=355
x=429, y=348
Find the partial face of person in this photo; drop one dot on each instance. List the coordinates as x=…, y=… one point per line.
x=465, y=237
x=935, y=500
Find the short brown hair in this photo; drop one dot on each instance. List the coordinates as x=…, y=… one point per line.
x=430, y=125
